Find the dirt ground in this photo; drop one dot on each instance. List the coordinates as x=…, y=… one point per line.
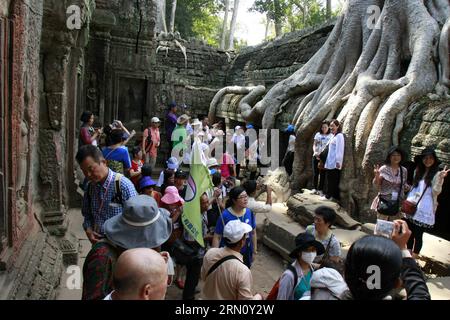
x=266, y=270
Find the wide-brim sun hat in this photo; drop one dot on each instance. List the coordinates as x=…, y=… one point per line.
x=304, y=241
x=426, y=152
x=146, y=182
x=141, y=225
x=183, y=119
x=171, y=196
x=212, y=162
x=196, y=122
x=172, y=163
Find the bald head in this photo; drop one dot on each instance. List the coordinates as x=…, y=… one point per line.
x=140, y=274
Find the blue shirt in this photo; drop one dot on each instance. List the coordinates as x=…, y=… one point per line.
x=97, y=201
x=119, y=154
x=248, y=218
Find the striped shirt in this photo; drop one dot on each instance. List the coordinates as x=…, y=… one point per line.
x=97, y=201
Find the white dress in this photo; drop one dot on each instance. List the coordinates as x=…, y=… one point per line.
x=425, y=215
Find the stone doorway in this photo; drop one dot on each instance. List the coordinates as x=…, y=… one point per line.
x=131, y=103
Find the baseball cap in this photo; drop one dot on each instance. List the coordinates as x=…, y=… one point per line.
x=155, y=119
x=235, y=230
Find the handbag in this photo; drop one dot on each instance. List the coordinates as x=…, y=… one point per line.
x=182, y=252
x=390, y=207
x=326, y=262
x=409, y=207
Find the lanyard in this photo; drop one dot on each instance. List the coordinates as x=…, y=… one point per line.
x=104, y=196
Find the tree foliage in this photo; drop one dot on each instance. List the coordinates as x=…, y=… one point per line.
x=291, y=15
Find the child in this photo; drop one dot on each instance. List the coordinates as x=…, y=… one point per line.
x=136, y=166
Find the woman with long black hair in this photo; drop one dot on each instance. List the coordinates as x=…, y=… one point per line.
x=88, y=135
x=333, y=164
x=321, y=140
x=427, y=185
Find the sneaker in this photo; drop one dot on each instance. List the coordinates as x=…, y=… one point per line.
x=180, y=284
x=320, y=193
x=314, y=191
x=323, y=198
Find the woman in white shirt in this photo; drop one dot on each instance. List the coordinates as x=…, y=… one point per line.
x=333, y=165
x=321, y=140
x=427, y=185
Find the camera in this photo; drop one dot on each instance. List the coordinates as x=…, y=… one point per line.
x=384, y=228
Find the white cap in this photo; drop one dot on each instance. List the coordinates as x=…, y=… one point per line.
x=235, y=230
x=237, y=128
x=172, y=163
x=155, y=119
x=212, y=162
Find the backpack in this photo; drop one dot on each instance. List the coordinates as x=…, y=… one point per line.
x=273, y=294
x=114, y=165
x=117, y=198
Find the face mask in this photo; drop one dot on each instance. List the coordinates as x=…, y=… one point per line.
x=308, y=257
x=212, y=171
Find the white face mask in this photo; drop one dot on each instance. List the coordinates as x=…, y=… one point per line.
x=308, y=257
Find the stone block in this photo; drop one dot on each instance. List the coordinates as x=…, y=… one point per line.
x=302, y=206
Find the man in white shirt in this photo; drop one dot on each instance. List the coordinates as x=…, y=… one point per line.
x=225, y=275
x=251, y=187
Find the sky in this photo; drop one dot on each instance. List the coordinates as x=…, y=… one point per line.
x=251, y=25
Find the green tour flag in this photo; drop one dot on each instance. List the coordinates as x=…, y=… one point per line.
x=198, y=182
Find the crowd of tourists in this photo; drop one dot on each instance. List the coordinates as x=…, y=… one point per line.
x=142, y=240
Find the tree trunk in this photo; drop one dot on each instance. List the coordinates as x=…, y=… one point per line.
x=266, y=34
x=328, y=9
x=163, y=15
x=172, y=16
x=225, y=23
x=358, y=78
x=233, y=25
x=277, y=18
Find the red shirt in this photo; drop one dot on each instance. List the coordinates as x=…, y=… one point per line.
x=136, y=166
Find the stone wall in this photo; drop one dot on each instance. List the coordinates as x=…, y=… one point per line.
x=276, y=60
x=29, y=257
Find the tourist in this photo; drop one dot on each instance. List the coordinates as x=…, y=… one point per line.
x=324, y=218
x=136, y=166
x=306, y=249
x=180, y=138
x=194, y=263
x=117, y=154
x=321, y=140
x=142, y=225
x=391, y=183
x=104, y=193
x=169, y=180
x=238, y=139
x=146, y=186
x=327, y=284
x=251, y=187
x=228, y=167
x=213, y=165
x=172, y=165
x=88, y=135
x=151, y=141
x=223, y=272
x=394, y=267
x=140, y=274
x=254, y=157
x=427, y=185
x=216, y=145
x=288, y=159
x=205, y=127
x=180, y=179
x=236, y=209
x=172, y=202
x=171, y=122
x=333, y=164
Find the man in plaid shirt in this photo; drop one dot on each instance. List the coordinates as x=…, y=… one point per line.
x=100, y=200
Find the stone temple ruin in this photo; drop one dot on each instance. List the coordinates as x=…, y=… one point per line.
x=120, y=65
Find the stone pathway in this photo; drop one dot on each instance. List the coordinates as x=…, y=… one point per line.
x=274, y=247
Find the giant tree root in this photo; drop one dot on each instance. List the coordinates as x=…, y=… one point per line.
x=366, y=76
